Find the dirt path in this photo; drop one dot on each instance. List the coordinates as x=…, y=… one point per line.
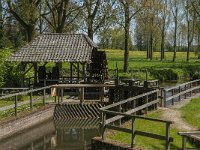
x=173, y=113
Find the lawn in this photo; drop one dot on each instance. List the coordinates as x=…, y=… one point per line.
x=191, y=112
x=152, y=127
x=162, y=70
x=137, y=59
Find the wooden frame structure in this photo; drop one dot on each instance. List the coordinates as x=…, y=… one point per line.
x=76, y=49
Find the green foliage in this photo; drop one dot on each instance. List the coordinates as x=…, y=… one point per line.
x=113, y=38
x=9, y=72
x=5, y=42
x=167, y=74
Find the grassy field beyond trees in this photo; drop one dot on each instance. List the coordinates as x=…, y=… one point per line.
x=158, y=69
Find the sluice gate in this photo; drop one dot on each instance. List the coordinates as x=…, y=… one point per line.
x=76, y=111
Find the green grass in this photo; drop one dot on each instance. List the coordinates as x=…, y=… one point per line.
x=191, y=112
x=152, y=127
x=21, y=109
x=138, y=61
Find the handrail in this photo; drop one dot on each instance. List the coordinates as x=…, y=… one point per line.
x=24, y=92
x=177, y=86
x=137, y=116
x=129, y=99
x=172, y=93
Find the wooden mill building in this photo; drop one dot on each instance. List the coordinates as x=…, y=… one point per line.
x=84, y=61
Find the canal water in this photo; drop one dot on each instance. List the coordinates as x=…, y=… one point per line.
x=75, y=134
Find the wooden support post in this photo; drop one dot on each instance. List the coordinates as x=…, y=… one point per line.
x=16, y=105
x=164, y=98
x=44, y=143
x=102, y=95
x=133, y=133
x=184, y=139
x=167, y=136
x=179, y=90
x=120, y=110
x=62, y=94
x=84, y=72
x=103, y=125
x=44, y=92
x=190, y=88
x=58, y=89
x=71, y=71
x=31, y=100
x=186, y=92
x=43, y=99
x=146, y=101
x=81, y=95
x=78, y=72
x=134, y=105
x=172, y=95
x=35, y=73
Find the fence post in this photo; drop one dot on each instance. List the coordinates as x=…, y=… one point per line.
x=184, y=142
x=43, y=100
x=167, y=136
x=190, y=89
x=146, y=101
x=16, y=105
x=133, y=132
x=185, y=92
x=31, y=100
x=179, y=90
x=103, y=125
x=119, y=110
x=165, y=97
x=172, y=95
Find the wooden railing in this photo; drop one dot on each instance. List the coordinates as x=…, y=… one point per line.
x=28, y=92
x=112, y=113
x=191, y=134
x=177, y=93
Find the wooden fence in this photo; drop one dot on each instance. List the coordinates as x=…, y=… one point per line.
x=112, y=113
x=194, y=135
x=177, y=93
x=28, y=92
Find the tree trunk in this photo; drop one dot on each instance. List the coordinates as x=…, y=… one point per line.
x=1, y=20
x=30, y=31
x=126, y=36
x=163, y=42
x=175, y=34
x=90, y=27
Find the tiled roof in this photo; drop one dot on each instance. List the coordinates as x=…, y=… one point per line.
x=56, y=47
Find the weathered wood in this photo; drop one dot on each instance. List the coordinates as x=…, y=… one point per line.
x=121, y=129
x=133, y=133
x=128, y=100
x=120, y=115
x=182, y=93
x=167, y=136
x=16, y=105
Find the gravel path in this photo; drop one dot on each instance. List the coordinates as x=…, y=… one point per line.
x=173, y=113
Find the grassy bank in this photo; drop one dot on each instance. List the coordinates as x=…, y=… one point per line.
x=191, y=112
x=152, y=127
x=162, y=70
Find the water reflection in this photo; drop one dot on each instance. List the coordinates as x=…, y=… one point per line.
x=74, y=134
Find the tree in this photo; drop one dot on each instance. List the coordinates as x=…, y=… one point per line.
x=177, y=16
x=164, y=22
x=25, y=12
x=190, y=18
x=113, y=38
x=61, y=14
x=130, y=9
x=95, y=14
